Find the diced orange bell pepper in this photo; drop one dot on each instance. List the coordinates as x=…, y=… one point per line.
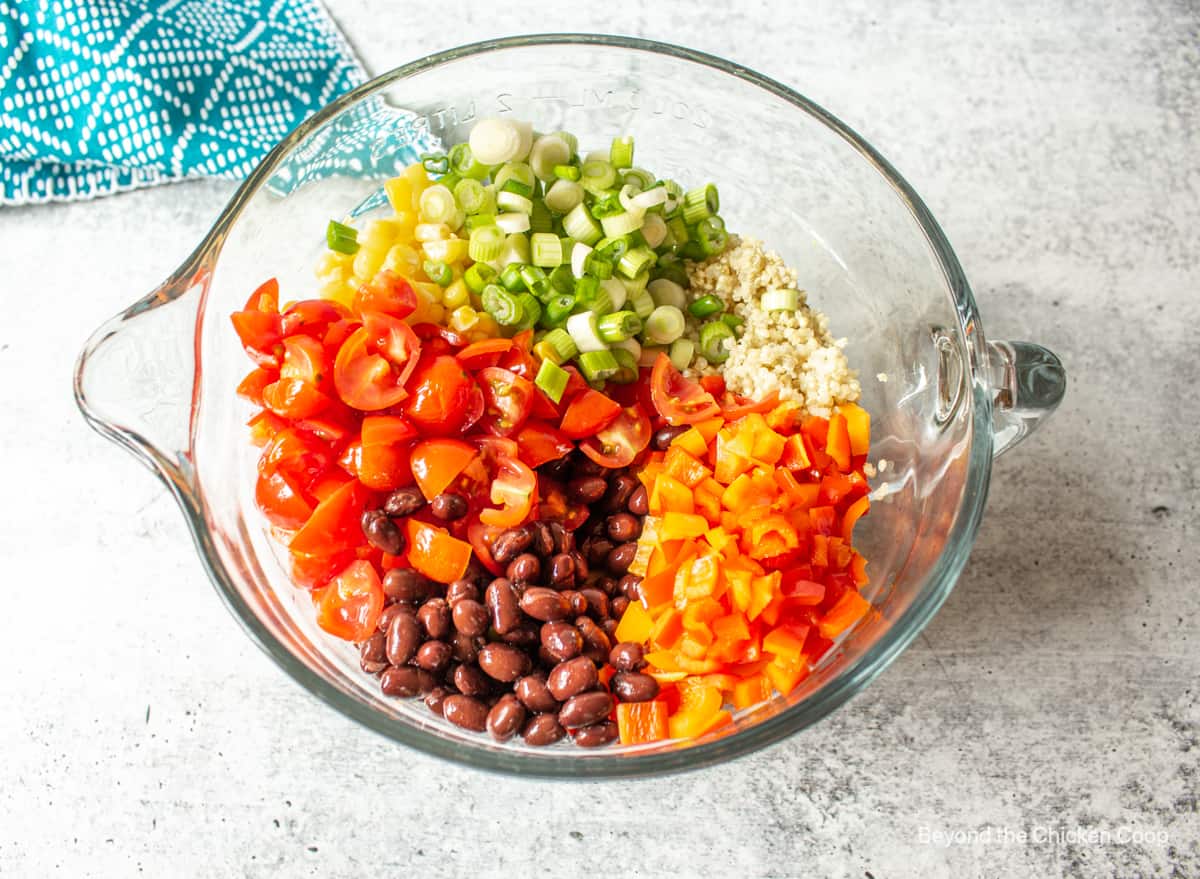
x=699, y=710
x=784, y=417
x=858, y=570
x=667, y=629
x=739, y=588
x=731, y=628
x=671, y=496
x=700, y=613
x=695, y=643
x=639, y=723
x=771, y=536
x=834, y=487
x=820, y=551
x=434, y=553
x=853, y=513
x=718, y=538
x=847, y=611
x=709, y=429
x=697, y=666
x=786, y=641
x=663, y=660
x=823, y=519
x=785, y=674
x=795, y=456
x=657, y=589
x=729, y=464
x=701, y=580
x=691, y=441
x=837, y=441
x=751, y=691
x=743, y=493
x=816, y=429
x=768, y=445
x=682, y=526
x=762, y=590
x=683, y=466
x=649, y=473
x=636, y=624
x=858, y=425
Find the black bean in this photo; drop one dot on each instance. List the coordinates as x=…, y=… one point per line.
x=503, y=662
x=435, y=699
x=596, y=735
x=460, y=590
x=465, y=711
x=524, y=635
x=586, y=490
x=561, y=641
x=469, y=617
x=609, y=627
x=597, y=550
x=510, y=544
x=624, y=527
x=572, y=677
x=471, y=681
x=581, y=565
x=525, y=568
x=503, y=604
x=559, y=471
x=596, y=641
x=564, y=540
x=621, y=557
x=433, y=656
x=405, y=586
x=617, y=496
x=576, y=601
x=400, y=680
x=506, y=717
x=664, y=437
x=535, y=695
x=639, y=501
x=633, y=686
x=464, y=648
x=543, y=539
x=618, y=606
x=562, y=571
x=448, y=506
x=434, y=616
x=630, y=586
x=404, y=502
x=542, y=730
x=382, y=533
x=627, y=656
x=544, y=604
x=597, y=603
x=372, y=655
x=404, y=636
x=582, y=465
x=585, y=709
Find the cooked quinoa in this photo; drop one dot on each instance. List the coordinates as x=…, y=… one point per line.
x=791, y=353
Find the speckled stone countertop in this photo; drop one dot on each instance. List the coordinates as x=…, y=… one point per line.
x=1046, y=724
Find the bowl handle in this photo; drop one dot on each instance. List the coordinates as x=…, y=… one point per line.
x=1028, y=383
x=136, y=379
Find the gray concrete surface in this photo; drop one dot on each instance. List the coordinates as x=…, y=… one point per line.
x=1055, y=694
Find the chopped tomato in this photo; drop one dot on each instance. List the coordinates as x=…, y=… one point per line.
x=544, y=407
x=314, y=571
x=350, y=605
x=259, y=325
x=520, y=362
x=714, y=384
x=480, y=355
x=384, y=464
x=622, y=441
x=282, y=500
x=312, y=317
x=336, y=523
x=539, y=443
x=386, y=293
x=251, y=387
x=294, y=398
x=514, y=487
x=339, y=332
x=427, y=331
x=736, y=407
x=677, y=399
x=297, y=453
x=444, y=399
x=588, y=413
x=437, y=463
x=373, y=365
x=507, y=400
x=305, y=358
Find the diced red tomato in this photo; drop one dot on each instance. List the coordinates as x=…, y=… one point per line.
x=444, y=399
x=282, y=500
x=434, y=553
x=481, y=537
x=373, y=365
x=312, y=317
x=259, y=325
x=507, y=399
x=677, y=399
x=350, y=605
x=294, y=399
x=588, y=413
x=304, y=358
x=482, y=354
x=251, y=387
x=514, y=487
x=437, y=463
x=336, y=523
x=538, y=443
x=622, y=441
x=386, y=446
x=386, y=293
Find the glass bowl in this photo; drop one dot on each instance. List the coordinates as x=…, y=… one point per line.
x=159, y=378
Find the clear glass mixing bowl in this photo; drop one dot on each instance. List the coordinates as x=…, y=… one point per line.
x=159, y=378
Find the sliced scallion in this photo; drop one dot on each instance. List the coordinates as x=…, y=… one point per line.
x=494, y=141
x=578, y=223
x=438, y=272
x=540, y=219
x=716, y=337
x=567, y=172
x=563, y=196
x=478, y=276
x=617, y=294
x=486, y=243
x=636, y=261
x=562, y=280
x=598, y=366
x=667, y=292
x=558, y=310
x=597, y=175
x=536, y=282
x=637, y=177
x=619, y=326
x=642, y=303
x=549, y=151
x=700, y=203
x=621, y=153
x=341, y=238
x=437, y=204
x=463, y=162
x=552, y=379
x=435, y=163
x=664, y=325
x=546, y=249
x=511, y=280
x=681, y=353
x=513, y=222
x=654, y=230
x=710, y=232
x=781, y=300
x=531, y=311
x=733, y=321
x=584, y=332
x=502, y=305
x=562, y=343
x=470, y=195
x=510, y=201
x=627, y=366
x=622, y=224
x=706, y=306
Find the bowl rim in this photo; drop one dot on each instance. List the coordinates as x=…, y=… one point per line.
x=854, y=677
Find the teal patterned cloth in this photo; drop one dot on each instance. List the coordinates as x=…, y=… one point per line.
x=98, y=96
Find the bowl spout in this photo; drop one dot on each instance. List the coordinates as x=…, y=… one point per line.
x=135, y=381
